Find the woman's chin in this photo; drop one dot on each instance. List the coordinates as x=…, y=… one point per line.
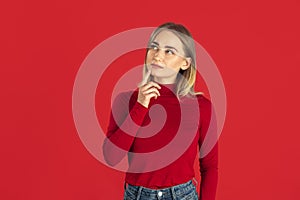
x=155, y=74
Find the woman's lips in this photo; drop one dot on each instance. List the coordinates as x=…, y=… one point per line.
x=156, y=66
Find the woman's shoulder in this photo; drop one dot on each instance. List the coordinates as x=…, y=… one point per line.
x=203, y=100
x=202, y=97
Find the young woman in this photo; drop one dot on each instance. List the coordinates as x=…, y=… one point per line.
x=168, y=81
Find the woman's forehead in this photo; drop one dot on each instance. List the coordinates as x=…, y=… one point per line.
x=168, y=38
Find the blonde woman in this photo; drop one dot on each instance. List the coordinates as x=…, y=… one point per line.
x=168, y=81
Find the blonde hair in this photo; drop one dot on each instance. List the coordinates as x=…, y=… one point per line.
x=185, y=82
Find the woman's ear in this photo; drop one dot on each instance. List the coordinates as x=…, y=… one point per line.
x=186, y=63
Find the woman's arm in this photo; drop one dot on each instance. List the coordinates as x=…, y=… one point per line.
x=208, y=140
x=121, y=119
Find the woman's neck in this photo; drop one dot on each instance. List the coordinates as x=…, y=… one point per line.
x=164, y=80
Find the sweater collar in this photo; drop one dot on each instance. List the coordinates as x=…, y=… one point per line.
x=168, y=89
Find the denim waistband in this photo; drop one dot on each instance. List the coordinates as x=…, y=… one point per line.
x=170, y=192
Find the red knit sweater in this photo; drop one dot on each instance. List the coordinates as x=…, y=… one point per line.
x=136, y=118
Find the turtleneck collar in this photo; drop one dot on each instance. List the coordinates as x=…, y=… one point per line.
x=168, y=89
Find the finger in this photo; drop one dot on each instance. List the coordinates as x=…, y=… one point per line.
x=151, y=90
x=144, y=81
x=148, y=73
x=154, y=84
x=151, y=95
x=149, y=85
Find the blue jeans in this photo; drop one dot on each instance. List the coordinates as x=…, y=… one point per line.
x=185, y=191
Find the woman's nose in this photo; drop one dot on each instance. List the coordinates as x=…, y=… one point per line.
x=158, y=56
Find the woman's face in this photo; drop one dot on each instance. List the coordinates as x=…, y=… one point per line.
x=165, y=57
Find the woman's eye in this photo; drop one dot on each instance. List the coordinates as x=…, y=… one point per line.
x=168, y=51
x=153, y=47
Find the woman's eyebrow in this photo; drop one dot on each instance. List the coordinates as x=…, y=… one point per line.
x=155, y=43
x=169, y=47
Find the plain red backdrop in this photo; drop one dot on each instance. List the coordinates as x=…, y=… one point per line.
x=255, y=45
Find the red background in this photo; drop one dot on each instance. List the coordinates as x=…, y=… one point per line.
x=255, y=45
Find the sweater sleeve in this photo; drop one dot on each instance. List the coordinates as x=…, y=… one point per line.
x=118, y=142
x=208, y=161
